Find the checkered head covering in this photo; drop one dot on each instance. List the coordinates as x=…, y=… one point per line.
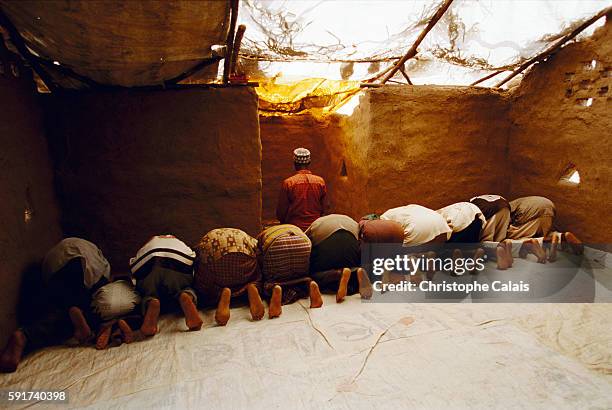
x=301, y=156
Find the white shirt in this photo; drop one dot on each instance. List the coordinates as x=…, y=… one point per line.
x=460, y=215
x=420, y=224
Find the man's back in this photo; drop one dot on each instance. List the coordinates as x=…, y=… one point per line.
x=302, y=199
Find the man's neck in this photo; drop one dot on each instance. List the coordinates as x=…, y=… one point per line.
x=303, y=171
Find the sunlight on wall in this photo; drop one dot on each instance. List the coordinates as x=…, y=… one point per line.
x=349, y=107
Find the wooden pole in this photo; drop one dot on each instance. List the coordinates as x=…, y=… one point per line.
x=413, y=50
x=487, y=77
x=403, y=71
x=557, y=45
x=236, y=48
x=19, y=43
x=230, y=40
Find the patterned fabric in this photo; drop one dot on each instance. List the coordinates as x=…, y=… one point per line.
x=301, y=156
x=227, y=258
x=220, y=242
x=287, y=259
x=271, y=233
x=302, y=199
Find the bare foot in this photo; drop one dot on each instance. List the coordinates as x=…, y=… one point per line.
x=507, y=243
x=275, y=308
x=575, y=243
x=457, y=254
x=192, y=316
x=532, y=246
x=82, y=331
x=343, y=286
x=149, y=324
x=126, y=331
x=365, y=287
x=479, y=254
x=555, y=240
x=103, y=337
x=222, y=314
x=502, y=257
x=12, y=353
x=316, y=301
x=255, y=304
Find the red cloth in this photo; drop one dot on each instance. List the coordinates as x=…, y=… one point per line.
x=301, y=199
x=381, y=231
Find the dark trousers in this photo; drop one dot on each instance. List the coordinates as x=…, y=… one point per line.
x=165, y=280
x=327, y=259
x=64, y=290
x=471, y=234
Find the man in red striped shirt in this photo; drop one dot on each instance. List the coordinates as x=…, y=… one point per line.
x=303, y=196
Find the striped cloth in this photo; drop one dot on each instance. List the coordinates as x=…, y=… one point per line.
x=285, y=261
x=162, y=246
x=226, y=258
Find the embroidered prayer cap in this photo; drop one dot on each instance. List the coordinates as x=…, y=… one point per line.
x=301, y=156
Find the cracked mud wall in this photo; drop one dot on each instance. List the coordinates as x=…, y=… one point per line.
x=29, y=210
x=132, y=164
x=555, y=126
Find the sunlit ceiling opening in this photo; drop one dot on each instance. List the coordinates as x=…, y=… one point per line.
x=293, y=40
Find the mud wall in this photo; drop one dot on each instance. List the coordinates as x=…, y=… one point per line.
x=132, y=164
x=423, y=144
x=555, y=126
x=28, y=210
x=434, y=145
x=327, y=141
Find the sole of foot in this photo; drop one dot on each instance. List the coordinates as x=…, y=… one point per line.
x=276, y=309
x=365, y=286
x=343, y=285
x=316, y=300
x=555, y=241
x=256, y=305
x=12, y=353
x=502, y=257
x=574, y=243
x=479, y=254
x=126, y=331
x=222, y=315
x=82, y=331
x=103, y=338
x=192, y=316
x=149, y=324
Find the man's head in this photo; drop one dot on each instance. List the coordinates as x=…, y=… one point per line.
x=301, y=158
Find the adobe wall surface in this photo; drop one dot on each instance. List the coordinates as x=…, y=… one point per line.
x=553, y=128
x=423, y=144
x=132, y=164
x=28, y=210
x=434, y=145
x=326, y=140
